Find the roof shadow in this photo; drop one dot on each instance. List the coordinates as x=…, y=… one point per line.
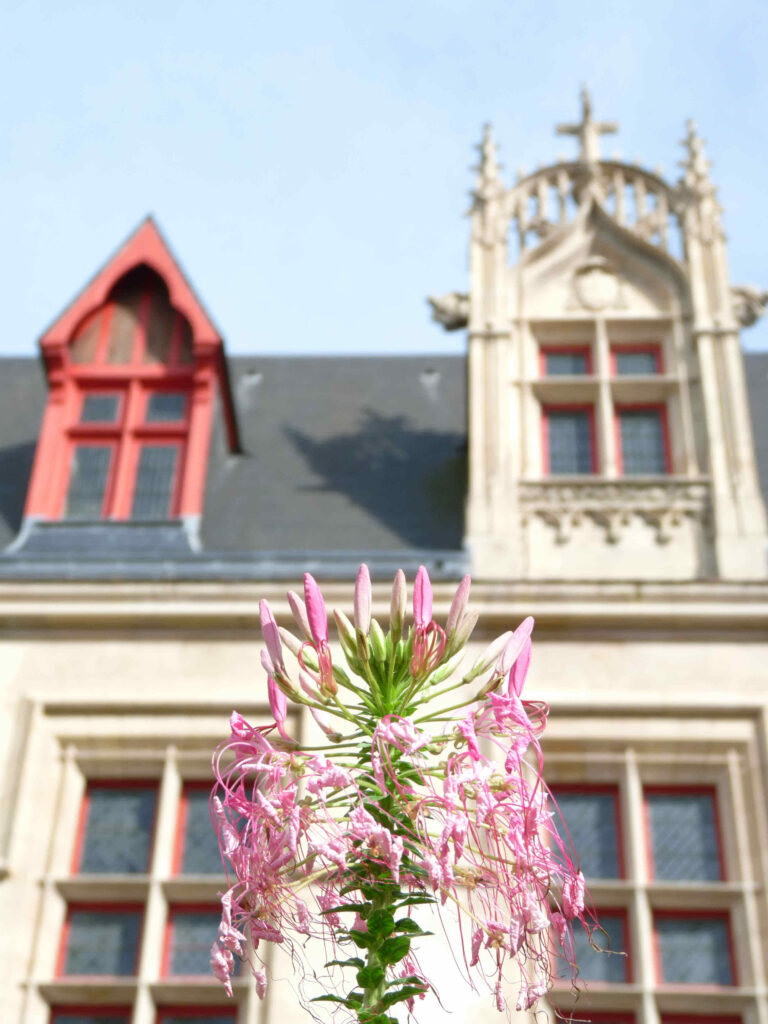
x=15, y=470
x=413, y=481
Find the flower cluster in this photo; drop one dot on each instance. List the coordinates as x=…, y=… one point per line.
x=416, y=797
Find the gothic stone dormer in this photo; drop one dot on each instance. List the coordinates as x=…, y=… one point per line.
x=133, y=367
x=608, y=420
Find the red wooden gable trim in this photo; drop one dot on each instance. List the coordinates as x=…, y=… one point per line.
x=145, y=245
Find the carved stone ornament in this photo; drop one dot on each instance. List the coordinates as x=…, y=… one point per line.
x=748, y=303
x=596, y=284
x=612, y=504
x=451, y=310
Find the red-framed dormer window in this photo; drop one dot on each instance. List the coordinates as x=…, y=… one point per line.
x=133, y=368
x=191, y=1015
x=191, y=929
x=694, y=947
x=100, y=939
x=591, y=816
x=684, y=840
x=642, y=440
x=565, y=360
x=91, y=1015
x=116, y=828
x=569, y=444
x=636, y=360
x=196, y=851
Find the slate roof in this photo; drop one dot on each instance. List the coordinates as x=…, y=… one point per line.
x=343, y=458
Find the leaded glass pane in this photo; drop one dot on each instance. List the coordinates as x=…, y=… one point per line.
x=590, y=819
x=88, y=481
x=200, y=851
x=154, y=482
x=97, y=1017
x=166, y=407
x=102, y=942
x=570, y=442
x=684, y=837
x=563, y=364
x=642, y=442
x=606, y=963
x=193, y=932
x=118, y=830
x=694, y=950
x=99, y=409
x=201, y=1017
x=630, y=364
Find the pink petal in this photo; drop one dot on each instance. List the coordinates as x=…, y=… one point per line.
x=520, y=670
x=316, y=613
x=278, y=702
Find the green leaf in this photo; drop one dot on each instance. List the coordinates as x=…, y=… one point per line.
x=353, y=961
x=410, y=901
x=346, y=906
x=381, y=923
x=393, y=950
x=407, y=924
x=408, y=992
x=361, y=939
x=370, y=977
x=332, y=999
x=411, y=979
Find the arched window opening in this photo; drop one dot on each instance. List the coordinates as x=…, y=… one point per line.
x=137, y=324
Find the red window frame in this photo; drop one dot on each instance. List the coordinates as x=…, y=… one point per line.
x=128, y=908
x=119, y=1012
x=694, y=790
x=195, y=785
x=679, y=915
x=652, y=347
x=699, y=1018
x=658, y=407
x=612, y=789
x=82, y=820
x=175, y=910
x=570, y=407
x=194, y=1012
x=582, y=350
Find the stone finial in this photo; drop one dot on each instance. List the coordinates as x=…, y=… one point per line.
x=588, y=131
x=451, y=310
x=695, y=165
x=488, y=181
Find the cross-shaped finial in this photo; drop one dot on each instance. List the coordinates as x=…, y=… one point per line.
x=588, y=131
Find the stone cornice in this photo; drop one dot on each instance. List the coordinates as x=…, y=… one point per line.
x=657, y=607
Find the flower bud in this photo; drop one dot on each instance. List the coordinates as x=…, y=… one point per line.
x=422, y=598
x=362, y=605
x=378, y=641
x=397, y=605
x=299, y=613
x=324, y=722
x=346, y=632
x=270, y=634
x=292, y=642
x=490, y=657
x=458, y=606
x=308, y=686
x=514, y=645
x=463, y=631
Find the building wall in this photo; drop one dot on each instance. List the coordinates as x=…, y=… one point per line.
x=647, y=686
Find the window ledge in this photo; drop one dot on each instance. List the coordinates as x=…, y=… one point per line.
x=198, y=991
x=89, y=991
x=194, y=888
x=103, y=888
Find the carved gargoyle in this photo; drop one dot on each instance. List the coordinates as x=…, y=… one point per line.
x=748, y=303
x=451, y=310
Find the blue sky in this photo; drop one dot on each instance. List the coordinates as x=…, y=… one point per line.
x=309, y=161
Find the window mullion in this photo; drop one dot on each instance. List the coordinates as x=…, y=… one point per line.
x=156, y=911
x=636, y=866
x=127, y=455
x=606, y=435
x=747, y=924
